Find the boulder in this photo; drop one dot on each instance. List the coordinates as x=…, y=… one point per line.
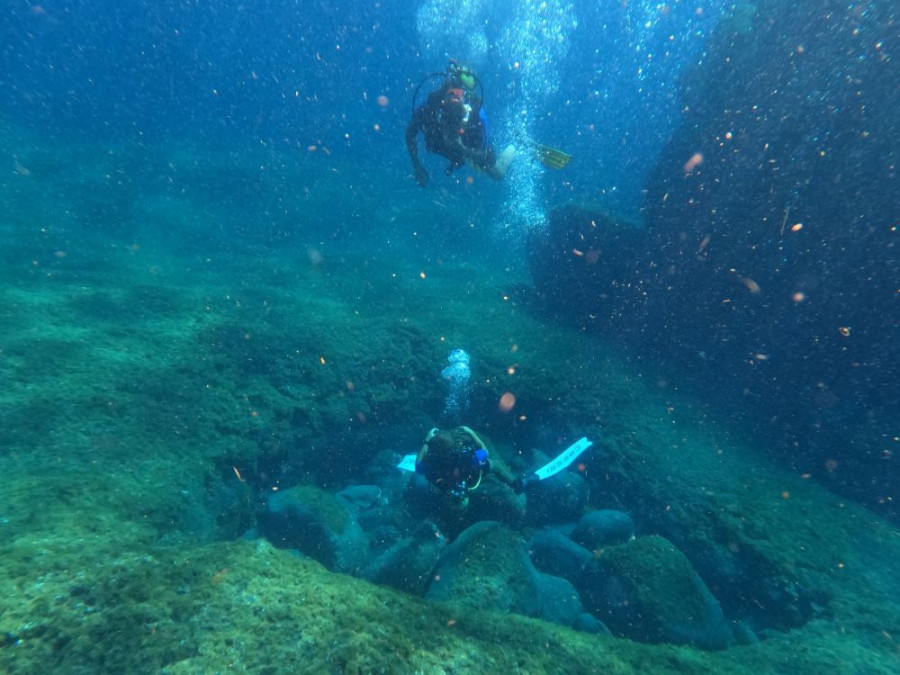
x=362, y=496
x=558, y=601
x=558, y=499
x=487, y=567
x=588, y=623
x=409, y=564
x=597, y=529
x=647, y=590
x=317, y=524
x=553, y=552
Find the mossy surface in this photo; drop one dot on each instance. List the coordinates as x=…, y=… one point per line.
x=486, y=566
x=159, y=380
x=333, y=513
x=657, y=575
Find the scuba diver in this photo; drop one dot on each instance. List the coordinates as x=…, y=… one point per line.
x=454, y=123
x=466, y=486
x=456, y=462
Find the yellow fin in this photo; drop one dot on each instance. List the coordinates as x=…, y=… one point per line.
x=551, y=157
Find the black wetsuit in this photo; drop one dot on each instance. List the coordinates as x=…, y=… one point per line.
x=456, y=463
x=454, y=125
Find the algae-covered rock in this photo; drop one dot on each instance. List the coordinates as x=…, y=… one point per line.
x=553, y=552
x=409, y=564
x=558, y=499
x=647, y=590
x=487, y=567
x=603, y=528
x=317, y=524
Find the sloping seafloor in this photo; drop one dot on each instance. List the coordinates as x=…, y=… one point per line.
x=135, y=378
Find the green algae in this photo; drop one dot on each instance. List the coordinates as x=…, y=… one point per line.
x=128, y=410
x=235, y=606
x=325, y=505
x=657, y=575
x=88, y=572
x=485, y=566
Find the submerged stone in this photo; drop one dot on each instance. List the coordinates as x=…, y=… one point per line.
x=558, y=601
x=603, y=528
x=647, y=590
x=558, y=499
x=487, y=567
x=553, y=552
x=317, y=524
x=409, y=564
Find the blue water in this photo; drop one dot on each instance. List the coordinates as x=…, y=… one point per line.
x=221, y=281
x=599, y=77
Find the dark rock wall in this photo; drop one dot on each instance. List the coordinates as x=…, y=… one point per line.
x=775, y=255
x=586, y=264
x=770, y=272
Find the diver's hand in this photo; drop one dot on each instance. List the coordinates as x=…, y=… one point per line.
x=521, y=484
x=421, y=175
x=468, y=153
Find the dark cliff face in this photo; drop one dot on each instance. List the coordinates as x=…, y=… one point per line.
x=773, y=214
x=771, y=265
x=586, y=263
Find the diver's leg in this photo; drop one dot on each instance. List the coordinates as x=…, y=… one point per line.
x=501, y=166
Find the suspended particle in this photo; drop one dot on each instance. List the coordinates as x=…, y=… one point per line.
x=695, y=161
x=751, y=285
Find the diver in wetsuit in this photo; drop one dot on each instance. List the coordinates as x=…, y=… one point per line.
x=468, y=486
x=454, y=124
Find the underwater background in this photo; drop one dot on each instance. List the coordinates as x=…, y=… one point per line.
x=225, y=308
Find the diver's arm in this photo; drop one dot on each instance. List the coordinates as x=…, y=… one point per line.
x=503, y=472
x=412, y=133
x=497, y=465
x=412, y=146
x=475, y=437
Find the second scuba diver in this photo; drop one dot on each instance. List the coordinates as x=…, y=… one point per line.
x=454, y=124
